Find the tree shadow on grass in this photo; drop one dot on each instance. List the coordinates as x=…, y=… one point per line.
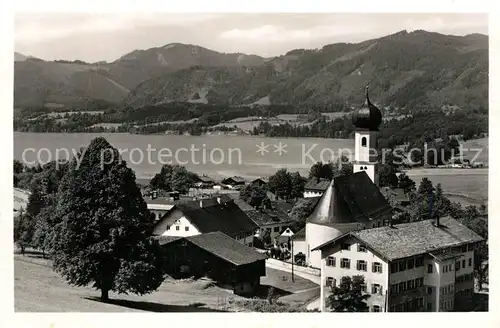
x=155, y=307
x=263, y=292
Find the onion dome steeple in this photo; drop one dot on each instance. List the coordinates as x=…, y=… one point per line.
x=368, y=117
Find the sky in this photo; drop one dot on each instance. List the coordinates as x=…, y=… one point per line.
x=95, y=37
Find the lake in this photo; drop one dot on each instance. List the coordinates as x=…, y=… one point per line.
x=220, y=156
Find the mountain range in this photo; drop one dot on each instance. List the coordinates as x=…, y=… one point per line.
x=416, y=69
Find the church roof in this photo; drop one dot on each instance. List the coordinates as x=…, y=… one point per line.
x=368, y=117
x=350, y=198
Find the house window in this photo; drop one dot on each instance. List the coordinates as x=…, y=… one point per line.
x=394, y=267
x=450, y=268
x=419, y=261
x=376, y=308
x=445, y=268
x=276, y=229
x=402, y=286
x=402, y=265
x=177, y=228
x=470, y=247
x=330, y=281
x=345, y=246
x=363, y=142
x=429, y=268
x=429, y=290
x=411, y=263
x=361, y=265
x=168, y=228
x=470, y=261
x=186, y=228
x=411, y=284
x=361, y=248
x=331, y=261
x=420, y=302
x=376, y=289
x=363, y=288
x=457, y=266
x=429, y=306
x=394, y=289
x=377, y=267
x=463, y=248
x=419, y=282
x=345, y=263
x=463, y=264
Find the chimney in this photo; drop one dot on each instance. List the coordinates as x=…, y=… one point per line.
x=218, y=200
x=201, y=203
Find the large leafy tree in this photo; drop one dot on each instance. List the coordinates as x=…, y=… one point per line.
x=255, y=196
x=321, y=170
x=298, y=183
x=173, y=178
x=348, y=296
x=281, y=184
x=102, y=227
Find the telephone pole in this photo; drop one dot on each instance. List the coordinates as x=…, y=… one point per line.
x=293, y=260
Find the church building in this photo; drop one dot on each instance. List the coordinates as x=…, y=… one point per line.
x=351, y=202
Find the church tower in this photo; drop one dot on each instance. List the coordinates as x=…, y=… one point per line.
x=367, y=120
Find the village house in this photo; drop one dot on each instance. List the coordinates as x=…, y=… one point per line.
x=217, y=256
x=207, y=215
x=420, y=266
x=269, y=221
x=234, y=182
x=261, y=182
x=315, y=187
x=204, y=182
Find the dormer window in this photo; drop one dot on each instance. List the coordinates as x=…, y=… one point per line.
x=363, y=142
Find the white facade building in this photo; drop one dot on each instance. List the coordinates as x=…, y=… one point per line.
x=410, y=267
x=207, y=215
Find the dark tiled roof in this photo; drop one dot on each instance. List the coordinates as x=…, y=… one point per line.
x=226, y=248
x=226, y=217
x=265, y=217
x=300, y=235
x=262, y=179
x=234, y=179
x=361, y=195
x=409, y=239
x=317, y=184
x=206, y=179
x=243, y=205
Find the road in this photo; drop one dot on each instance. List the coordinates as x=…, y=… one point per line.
x=315, y=279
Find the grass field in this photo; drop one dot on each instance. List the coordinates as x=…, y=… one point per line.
x=471, y=183
x=37, y=288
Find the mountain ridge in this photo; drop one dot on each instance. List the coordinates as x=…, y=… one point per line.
x=417, y=68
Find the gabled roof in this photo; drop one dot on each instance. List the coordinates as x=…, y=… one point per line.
x=317, y=184
x=225, y=247
x=348, y=199
x=300, y=235
x=266, y=217
x=410, y=239
x=205, y=179
x=263, y=217
x=235, y=179
x=213, y=216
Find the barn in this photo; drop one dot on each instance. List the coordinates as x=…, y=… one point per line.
x=217, y=256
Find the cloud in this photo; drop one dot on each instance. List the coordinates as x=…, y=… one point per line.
x=40, y=27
